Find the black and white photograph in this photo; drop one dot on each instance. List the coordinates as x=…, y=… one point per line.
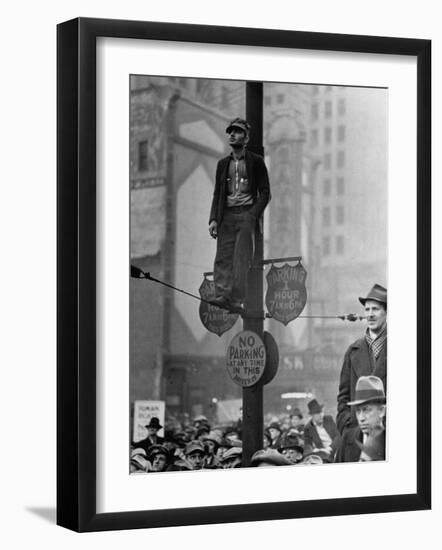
x=258, y=274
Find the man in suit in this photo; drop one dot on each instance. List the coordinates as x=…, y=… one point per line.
x=366, y=441
x=320, y=432
x=241, y=193
x=366, y=356
x=152, y=438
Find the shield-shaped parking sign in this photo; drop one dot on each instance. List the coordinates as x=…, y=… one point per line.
x=215, y=319
x=286, y=293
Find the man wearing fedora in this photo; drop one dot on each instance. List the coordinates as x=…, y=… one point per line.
x=241, y=193
x=320, y=432
x=366, y=356
x=152, y=438
x=367, y=440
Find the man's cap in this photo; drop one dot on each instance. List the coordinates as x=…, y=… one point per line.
x=200, y=418
x=270, y=456
x=275, y=426
x=239, y=123
x=368, y=389
x=378, y=293
x=193, y=447
x=213, y=436
x=234, y=452
x=314, y=407
x=157, y=450
x=154, y=423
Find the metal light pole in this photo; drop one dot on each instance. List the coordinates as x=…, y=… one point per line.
x=253, y=417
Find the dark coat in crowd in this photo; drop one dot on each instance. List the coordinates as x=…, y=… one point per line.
x=349, y=450
x=148, y=442
x=313, y=441
x=358, y=361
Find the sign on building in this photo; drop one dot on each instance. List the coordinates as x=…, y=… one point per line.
x=246, y=358
x=215, y=319
x=143, y=412
x=286, y=293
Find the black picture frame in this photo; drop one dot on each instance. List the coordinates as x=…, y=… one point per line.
x=77, y=287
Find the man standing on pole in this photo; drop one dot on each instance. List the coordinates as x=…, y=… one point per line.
x=240, y=196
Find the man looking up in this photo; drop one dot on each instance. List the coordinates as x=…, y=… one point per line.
x=240, y=196
x=367, y=356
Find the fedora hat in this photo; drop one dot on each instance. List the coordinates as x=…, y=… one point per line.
x=314, y=407
x=368, y=388
x=239, y=123
x=378, y=293
x=154, y=423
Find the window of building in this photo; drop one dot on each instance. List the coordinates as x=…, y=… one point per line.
x=315, y=90
x=326, y=245
x=315, y=111
x=314, y=138
x=340, y=244
x=327, y=161
x=328, y=88
x=341, y=132
x=327, y=187
x=142, y=156
x=341, y=159
x=327, y=135
x=340, y=214
x=283, y=154
x=328, y=109
x=341, y=106
x=280, y=99
x=267, y=100
x=326, y=216
x=340, y=187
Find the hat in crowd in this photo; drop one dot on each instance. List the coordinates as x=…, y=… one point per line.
x=270, y=456
x=154, y=423
x=233, y=452
x=203, y=429
x=374, y=446
x=314, y=407
x=194, y=447
x=291, y=443
x=213, y=436
x=378, y=293
x=239, y=123
x=180, y=438
x=296, y=412
x=138, y=459
x=275, y=426
x=368, y=389
x=157, y=450
x=315, y=457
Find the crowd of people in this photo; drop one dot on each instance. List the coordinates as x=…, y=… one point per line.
x=357, y=435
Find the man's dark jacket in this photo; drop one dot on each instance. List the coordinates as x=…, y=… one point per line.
x=349, y=450
x=313, y=441
x=258, y=181
x=358, y=361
